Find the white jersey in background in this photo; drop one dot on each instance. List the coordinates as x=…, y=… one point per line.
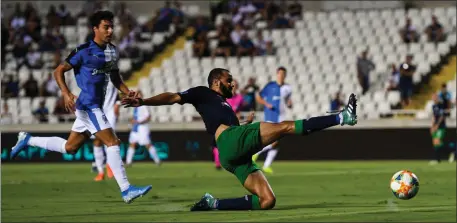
x=140, y=132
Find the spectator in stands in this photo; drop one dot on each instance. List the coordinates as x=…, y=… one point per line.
x=295, y=11
x=178, y=12
x=125, y=15
x=224, y=47
x=60, y=111
x=64, y=15
x=33, y=58
x=236, y=34
x=41, y=113
x=201, y=46
x=434, y=31
x=163, y=18
x=53, y=18
x=337, y=102
x=127, y=46
x=88, y=8
x=29, y=9
x=245, y=46
x=445, y=98
x=10, y=87
x=263, y=45
x=394, y=79
x=5, y=39
x=409, y=33
x=271, y=10
x=249, y=91
x=364, y=67
x=407, y=70
x=6, y=116
x=53, y=41
x=17, y=20
x=31, y=87
x=200, y=26
x=49, y=87
x=33, y=26
x=20, y=48
x=279, y=21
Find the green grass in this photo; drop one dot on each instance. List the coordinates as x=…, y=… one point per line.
x=305, y=191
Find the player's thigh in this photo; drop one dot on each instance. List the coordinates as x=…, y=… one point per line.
x=76, y=140
x=271, y=132
x=108, y=137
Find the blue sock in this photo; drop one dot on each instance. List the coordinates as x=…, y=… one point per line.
x=248, y=202
x=308, y=126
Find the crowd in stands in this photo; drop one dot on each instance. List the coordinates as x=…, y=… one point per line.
x=27, y=35
x=237, y=18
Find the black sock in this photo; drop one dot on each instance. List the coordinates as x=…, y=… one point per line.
x=308, y=126
x=437, y=150
x=248, y=202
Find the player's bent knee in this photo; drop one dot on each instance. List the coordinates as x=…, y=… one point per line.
x=267, y=203
x=115, y=142
x=71, y=149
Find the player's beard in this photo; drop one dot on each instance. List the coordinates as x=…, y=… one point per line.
x=226, y=92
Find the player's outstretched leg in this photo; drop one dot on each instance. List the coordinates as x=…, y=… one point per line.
x=113, y=159
x=270, y=157
x=130, y=154
x=262, y=197
x=271, y=132
x=153, y=153
x=55, y=144
x=99, y=157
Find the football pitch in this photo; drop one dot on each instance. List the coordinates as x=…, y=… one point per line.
x=306, y=191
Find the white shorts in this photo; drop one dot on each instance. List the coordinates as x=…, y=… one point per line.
x=112, y=121
x=93, y=120
x=140, y=137
x=280, y=119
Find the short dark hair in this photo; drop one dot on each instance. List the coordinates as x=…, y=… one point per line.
x=282, y=68
x=96, y=18
x=215, y=74
x=444, y=85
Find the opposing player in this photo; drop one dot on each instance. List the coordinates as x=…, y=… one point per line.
x=235, y=102
x=139, y=134
x=111, y=110
x=275, y=97
x=92, y=63
x=438, y=128
x=237, y=143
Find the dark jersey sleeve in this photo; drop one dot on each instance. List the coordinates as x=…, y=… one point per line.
x=192, y=95
x=75, y=57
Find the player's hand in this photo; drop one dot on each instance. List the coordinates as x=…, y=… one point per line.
x=133, y=94
x=269, y=106
x=250, y=117
x=131, y=102
x=69, y=100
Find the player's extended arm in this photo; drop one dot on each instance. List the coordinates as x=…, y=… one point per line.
x=59, y=75
x=166, y=98
x=118, y=82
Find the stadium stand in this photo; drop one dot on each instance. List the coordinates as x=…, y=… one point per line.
x=320, y=51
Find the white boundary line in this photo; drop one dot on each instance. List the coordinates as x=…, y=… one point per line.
x=303, y=215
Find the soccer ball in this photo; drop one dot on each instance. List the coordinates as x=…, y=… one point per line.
x=404, y=184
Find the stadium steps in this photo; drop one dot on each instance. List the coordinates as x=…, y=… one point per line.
x=168, y=52
x=446, y=74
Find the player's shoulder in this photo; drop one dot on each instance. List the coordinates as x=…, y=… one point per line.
x=82, y=47
x=270, y=84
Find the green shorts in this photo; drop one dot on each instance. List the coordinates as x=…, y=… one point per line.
x=439, y=134
x=236, y=146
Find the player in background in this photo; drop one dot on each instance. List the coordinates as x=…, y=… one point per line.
x=438, y=128
x=445, y=98
x=139, y=134
x=237, y=143
x=275, y=97
x=92, y=63
x=111, y=110
x=235, y=102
